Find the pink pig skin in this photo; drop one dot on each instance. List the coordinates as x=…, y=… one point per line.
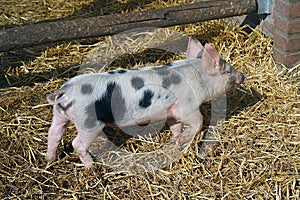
x=123, y=98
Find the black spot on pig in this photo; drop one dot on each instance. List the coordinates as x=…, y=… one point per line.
x=166, y=82
x=111, y=72
x=169, y=77
x=86, y=88
x=122, y=71
x=137, y=83
x=173, y=78
x=91, y=120
x=145, y=101
x=111, y=107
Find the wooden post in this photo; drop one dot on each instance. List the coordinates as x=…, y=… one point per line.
x=42, y=33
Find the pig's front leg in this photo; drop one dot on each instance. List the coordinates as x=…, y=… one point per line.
x=175, y=127
x=55, y=134
x=82, y=143
x=194, y=121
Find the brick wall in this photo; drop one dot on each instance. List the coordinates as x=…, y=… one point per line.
x=284, y=26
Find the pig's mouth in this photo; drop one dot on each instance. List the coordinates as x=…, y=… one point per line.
x=236, y=82
x=232, y=86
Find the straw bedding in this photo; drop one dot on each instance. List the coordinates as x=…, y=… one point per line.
x=256, y=155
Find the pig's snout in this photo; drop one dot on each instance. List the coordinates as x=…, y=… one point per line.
x=241, y=78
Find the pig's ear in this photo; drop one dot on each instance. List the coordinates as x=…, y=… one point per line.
x=214, y=54
x=194, y=49
x=211, y=60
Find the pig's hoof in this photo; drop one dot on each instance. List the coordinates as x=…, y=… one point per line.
x=50, y=158
x=183, y=148
x=89, y=167
x=183, y=144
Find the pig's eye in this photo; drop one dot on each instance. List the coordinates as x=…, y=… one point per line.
x=225, y=67
x=227, y=70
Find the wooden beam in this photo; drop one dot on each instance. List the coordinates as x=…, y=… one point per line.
x=47, y=32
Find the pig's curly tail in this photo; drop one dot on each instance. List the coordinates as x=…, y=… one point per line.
x=53, y=97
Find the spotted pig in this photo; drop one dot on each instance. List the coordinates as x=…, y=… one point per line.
x=172, y=92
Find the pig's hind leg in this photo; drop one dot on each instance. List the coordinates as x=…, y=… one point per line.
x=55, y=134
x=83, y=142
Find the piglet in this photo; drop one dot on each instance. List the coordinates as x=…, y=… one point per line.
x=172, y=92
